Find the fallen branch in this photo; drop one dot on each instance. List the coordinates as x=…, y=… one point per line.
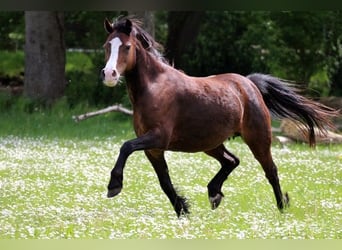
x=115, y=108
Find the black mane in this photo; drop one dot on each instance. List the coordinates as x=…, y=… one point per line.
x=146, y=40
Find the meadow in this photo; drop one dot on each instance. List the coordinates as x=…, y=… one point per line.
x=54, y=173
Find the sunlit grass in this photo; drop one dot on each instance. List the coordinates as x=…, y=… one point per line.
x=52, y=188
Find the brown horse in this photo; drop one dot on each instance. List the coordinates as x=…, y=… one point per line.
x=174, y=111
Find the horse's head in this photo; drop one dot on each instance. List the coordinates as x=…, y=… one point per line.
x=125, y=38
x=119, y=51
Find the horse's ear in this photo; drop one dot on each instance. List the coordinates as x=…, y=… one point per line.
x=108, y=26
x=128, y=27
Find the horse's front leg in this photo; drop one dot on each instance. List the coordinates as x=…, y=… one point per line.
x=147, y=141
x=178, y=202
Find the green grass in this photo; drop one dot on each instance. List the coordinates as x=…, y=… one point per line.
x=26, y=119
x=54, y=173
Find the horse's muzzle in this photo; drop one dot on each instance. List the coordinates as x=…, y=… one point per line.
x=109, y=79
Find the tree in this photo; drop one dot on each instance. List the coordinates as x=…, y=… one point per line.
x=183, y=29
x=12, y=30
x=301, y=46
x=216, y=48
x=44, y=56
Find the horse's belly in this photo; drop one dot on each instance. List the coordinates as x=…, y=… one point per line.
x=194, y=145
x=203, y=134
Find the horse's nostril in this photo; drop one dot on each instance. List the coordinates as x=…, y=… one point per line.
x=114, y=73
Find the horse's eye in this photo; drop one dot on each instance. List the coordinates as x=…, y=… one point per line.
x=127, y=47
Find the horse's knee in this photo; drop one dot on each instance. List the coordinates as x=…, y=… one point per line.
x=126, y=148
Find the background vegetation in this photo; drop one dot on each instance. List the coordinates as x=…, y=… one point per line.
x=302, y=46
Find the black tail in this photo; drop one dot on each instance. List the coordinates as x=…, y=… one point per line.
x=283, y=101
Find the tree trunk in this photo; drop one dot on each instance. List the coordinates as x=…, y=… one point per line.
x=183, y=29
x=44, y=56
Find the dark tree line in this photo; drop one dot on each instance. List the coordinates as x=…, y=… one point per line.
x=301, y=46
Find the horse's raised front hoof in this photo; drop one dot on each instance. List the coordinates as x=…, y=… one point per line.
x=113, y=192
x=216, y=200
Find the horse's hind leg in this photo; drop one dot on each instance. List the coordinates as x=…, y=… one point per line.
x=271, y=173
x=157, y=159
x=228, y=163
x=260, y=145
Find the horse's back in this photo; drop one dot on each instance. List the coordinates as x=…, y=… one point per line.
x=246, y=89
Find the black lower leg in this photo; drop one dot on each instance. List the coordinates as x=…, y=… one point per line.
x=228, y=163
x=262, y=152
x=116, y=177
x=149, y=140
x=181, y=206
x=283, y=201
x=179, y=203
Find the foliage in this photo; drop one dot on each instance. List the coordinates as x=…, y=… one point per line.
x=161, y=26
x=313, y=36
x=84, y=29
x=319, y=83
x=83, y=82
x=302, y=46
x=78, y=62
x=11, y=63
x=12, y=30
x=82, y=78
x=292, y=45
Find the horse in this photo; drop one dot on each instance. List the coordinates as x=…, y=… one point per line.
x=177, y=112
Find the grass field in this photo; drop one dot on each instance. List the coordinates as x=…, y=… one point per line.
x=54, y=173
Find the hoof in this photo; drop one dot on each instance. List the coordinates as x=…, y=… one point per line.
x=182, y=207
x=216, y=200
x=285, y=203
x=184, y=213
x=113, y=192
x=286, y=200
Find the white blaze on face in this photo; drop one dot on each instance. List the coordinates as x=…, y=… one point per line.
x=111, y=75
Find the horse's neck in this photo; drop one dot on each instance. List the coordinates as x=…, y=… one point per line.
x=146, y=70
